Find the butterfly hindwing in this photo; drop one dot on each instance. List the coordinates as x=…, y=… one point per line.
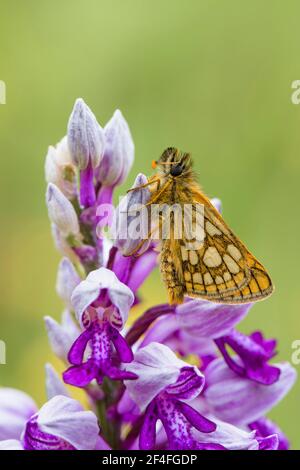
x=221, y=269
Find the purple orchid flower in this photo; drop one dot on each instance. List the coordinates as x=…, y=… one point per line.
x=101, y=304
x=164, y=381
x=164, y=385
x=61, y=424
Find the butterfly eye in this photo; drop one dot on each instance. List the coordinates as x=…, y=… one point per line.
x=176, y=170
x=154, y=164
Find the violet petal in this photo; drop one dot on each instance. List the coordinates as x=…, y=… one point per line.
x=148, y=430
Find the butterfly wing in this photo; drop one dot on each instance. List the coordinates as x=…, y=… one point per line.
x=221, y=269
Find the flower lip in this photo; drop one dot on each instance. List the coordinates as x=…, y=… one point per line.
x=102, y=361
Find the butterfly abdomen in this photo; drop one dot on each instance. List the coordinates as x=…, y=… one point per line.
x=171, y=272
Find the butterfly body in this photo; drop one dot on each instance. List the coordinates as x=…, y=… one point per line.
x=217, y=266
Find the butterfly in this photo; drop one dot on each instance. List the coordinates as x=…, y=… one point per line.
x=217, y=266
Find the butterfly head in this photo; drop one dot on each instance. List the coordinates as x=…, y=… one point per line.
x=173, y=162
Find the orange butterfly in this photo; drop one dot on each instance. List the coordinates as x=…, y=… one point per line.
x=218, y=268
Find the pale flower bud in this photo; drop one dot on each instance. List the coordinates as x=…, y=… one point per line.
x=85, y=136
x=67, y=279
x=61, y=212
x=59, y=168
x=118, y=153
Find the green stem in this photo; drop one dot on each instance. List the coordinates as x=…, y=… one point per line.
x=110, y=427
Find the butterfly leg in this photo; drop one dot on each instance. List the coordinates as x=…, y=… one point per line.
x=145, y=185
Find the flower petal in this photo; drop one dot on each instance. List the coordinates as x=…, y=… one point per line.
x=89, y=290
x=253, y=356
x=80, y=375
x=85, y=136
x=67, y=279
x=268, y=443
x=77, y=350
x=54, y=384
x=229, y=436
x=118, y=153
x=265, y=427
x=148, y=430
x=143, y=266
x=217, y=203
x=157, y=367
x=59, y=339
x=124, y=351
x=131, y=222
x=11, y=444
x=196, y=419
x=64, y=417
x=61, y=211
x=204, y=319
x=188, y=385
x=16, y=408
x=239, y=400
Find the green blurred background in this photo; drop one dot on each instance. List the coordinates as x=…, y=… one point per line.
x=211, y=77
